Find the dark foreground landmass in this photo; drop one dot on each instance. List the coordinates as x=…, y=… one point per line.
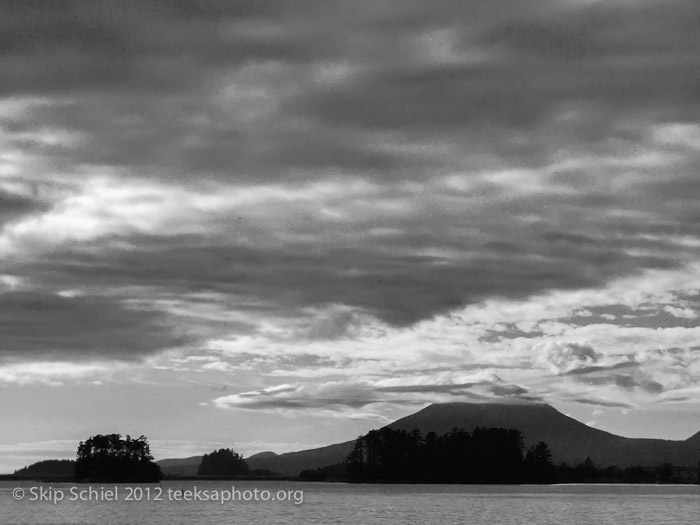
x=569, y=441
x=502, y=443
x=483, y=456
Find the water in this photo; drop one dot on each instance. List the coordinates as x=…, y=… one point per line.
x=326, y=503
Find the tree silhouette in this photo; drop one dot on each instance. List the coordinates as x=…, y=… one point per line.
x=585, y=472
x=664, y=473
x=537, y=466
x=487, y=455
x=223, y=462
x=111, y=458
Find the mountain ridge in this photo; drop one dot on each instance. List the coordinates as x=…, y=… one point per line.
x=569, y=440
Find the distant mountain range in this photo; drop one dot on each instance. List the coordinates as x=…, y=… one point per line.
x=569, y=440
x=180, y=467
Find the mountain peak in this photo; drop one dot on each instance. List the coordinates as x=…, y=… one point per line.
x=263, y=455
x=515, y=405
x=446, y=416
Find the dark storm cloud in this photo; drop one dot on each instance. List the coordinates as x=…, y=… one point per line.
x=254, y=93
x=141, y=77
x=39, y=325
x=614, y=58
x=398, y=289
x=79, y=47
x=13, y=206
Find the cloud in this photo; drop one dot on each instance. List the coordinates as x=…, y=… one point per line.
x=367, y=399
x=328, y=197
x=479, y=354
x=400, y=162
x=47, y=326
x=54, y=373
x=13, y=206
x=562, y=358
x=607, y=404
x=330, y=397
x=336, y=323
x=683, y=313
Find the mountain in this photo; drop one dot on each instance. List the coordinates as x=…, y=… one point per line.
x=569, y=440
x=58, y=468
x=694, y=440
x=180, y=467
x=291, y=463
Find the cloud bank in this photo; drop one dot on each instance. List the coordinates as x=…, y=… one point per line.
x=326, y=197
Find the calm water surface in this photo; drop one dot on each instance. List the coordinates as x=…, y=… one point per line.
x=325, y=503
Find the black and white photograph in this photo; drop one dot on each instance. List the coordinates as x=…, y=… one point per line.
x=349, y=261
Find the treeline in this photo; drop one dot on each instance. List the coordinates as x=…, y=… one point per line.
x=485, y=455
x=588, y=472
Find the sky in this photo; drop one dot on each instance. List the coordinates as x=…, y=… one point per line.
x=277, y=225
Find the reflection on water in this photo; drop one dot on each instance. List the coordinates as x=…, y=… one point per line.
x=269, y=502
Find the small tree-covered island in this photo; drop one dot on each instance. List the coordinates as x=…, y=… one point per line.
x=486, y=455
x=223, y=462
x=113, y=458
